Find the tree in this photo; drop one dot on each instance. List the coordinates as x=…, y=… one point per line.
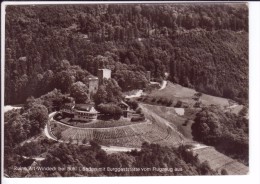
x=95, y=145
x=228, y=93
x=108, y=92
x=205, y=168
x=224, y=172
x=84, y=141
x=38, y=116
x=70, y=140
x=178, y=104
x=101, y=95
x=110, y=109
x=79, y=92
x=58, y=135
x=63, y=81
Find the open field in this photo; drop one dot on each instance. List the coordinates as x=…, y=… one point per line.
x=175, y=92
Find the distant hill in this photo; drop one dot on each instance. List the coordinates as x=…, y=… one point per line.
x=204, y=46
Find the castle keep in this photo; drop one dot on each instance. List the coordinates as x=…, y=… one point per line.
x=93, y=82
x=104, y=74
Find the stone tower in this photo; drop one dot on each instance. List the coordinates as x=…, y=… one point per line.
x=104, y=74
x=92, y=86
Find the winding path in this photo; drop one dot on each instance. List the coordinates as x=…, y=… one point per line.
x=47, y=130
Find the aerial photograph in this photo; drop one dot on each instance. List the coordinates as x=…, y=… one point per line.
x=126, y=89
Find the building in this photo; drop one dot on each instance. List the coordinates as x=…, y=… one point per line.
x=104, y=74
x=125, y=107
x=85, y=112
x=81, y=112
x=67, y=110
x=92, y=86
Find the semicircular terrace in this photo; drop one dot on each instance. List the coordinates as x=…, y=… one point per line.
x=132, y=135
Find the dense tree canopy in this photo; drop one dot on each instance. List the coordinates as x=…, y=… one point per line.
x=80, y=92
x=110, y=109
x=79, y=156
x=27, y=123
x=226, y=131
x=108, y=91
x=204, y=46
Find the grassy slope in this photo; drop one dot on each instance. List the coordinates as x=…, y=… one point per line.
x=177, y=92
x=170, y=115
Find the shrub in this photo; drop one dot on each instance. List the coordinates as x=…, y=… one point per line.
x=224, y=172
x=197, y=104
x=169, y=103
x=133, y=104
x=139, y=111
x=154, y=100
x=84, y=141
x=140, y=118
x=178, y=104
x=243, y=111
x=199, y=94
x=110, y=109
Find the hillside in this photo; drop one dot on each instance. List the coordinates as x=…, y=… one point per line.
x=201, y=46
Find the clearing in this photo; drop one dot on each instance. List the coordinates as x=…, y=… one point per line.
x=189, y=97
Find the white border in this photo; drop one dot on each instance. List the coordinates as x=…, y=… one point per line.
x=254, y=114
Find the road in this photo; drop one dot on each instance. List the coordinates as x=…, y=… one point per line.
x=137, y=94
x=47, y=130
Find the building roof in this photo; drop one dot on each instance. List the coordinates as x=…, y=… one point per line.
x=105, y=69
x=85, y=108
x=123, y=103
x=68, y=105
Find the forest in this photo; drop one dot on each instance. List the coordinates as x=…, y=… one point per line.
x=227, y=132
x=201, y=46
x=92, y=156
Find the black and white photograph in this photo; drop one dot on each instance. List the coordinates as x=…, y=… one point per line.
x=126, y=89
